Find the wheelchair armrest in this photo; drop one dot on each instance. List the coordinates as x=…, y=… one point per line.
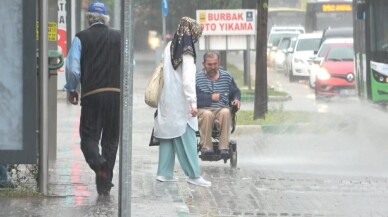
x=234, y=110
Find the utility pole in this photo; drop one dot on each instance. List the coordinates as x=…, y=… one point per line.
x=43, y=79
x=247, y=4
x=126, y=107
x=261, y=85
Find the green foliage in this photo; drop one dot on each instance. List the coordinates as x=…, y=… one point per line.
x=275, y=116
x=273, y=92
x=237, y=74
x=25, y=177
x=19, y=192
x=249, y=95
x=148, y=14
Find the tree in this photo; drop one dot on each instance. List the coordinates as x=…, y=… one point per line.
x=261, y=94
x=148, y=14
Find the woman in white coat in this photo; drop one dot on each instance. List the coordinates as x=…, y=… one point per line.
x=176, y=122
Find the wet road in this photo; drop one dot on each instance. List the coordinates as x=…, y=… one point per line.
x=334, y=167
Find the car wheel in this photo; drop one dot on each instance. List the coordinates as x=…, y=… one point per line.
x=233, y=153
x=318, y=97
x=285, y=69
x=233, y=160
x=311, y=81
x=291, y=77
x=275, y=69
x=312, y=86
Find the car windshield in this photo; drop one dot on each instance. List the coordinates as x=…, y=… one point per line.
x=274, y=39
x=308, y=44
x=293, y=42
x=284, y=44
x=323, y=50
x=341, y=53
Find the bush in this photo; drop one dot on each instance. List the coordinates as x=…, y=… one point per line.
x=249, y=95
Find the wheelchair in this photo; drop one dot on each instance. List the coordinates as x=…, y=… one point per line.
x=215, y=140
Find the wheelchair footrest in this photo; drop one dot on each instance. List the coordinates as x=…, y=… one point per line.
x=214, y=157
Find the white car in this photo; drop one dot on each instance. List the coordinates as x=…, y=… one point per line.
x=285, y=48
x=287, y=29
x=315, y=61
x=304, y=49
x=273, y=42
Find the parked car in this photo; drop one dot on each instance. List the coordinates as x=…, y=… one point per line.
x=285, y=47
x=276, y=28
x=297, y=58
x=335, y=75
x=315, y=61
x=273, y=41
x=343, y=32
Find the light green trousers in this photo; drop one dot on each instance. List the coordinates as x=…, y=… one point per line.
x=185, y=148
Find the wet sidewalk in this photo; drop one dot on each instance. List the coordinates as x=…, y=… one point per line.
x=277, y=175
x=71, y=188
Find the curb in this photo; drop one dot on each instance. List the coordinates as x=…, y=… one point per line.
x=243, y=130
x=279, y=98
x=270, y=98
x=285, y=128
x=248, y=130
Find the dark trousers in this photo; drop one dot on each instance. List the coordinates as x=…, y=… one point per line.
x=100, y=123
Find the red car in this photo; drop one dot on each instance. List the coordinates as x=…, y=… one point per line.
x=335, y=76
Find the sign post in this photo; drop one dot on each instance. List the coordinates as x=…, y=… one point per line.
x=164, y=14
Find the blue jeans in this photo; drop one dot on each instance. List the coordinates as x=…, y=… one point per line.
x=3, y=173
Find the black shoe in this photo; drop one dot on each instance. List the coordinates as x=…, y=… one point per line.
x=105, y=191
x=102, y=186
x=102, y=183
x=224, y=153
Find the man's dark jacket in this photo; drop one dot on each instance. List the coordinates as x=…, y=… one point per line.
x=100, y=58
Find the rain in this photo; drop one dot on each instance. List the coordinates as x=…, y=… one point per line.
x=320, y=150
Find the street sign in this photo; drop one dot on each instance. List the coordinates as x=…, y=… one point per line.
x=165, y=7
x=227, y=22
x=227, y=29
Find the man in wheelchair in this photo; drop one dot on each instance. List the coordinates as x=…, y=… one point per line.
x=218, y=98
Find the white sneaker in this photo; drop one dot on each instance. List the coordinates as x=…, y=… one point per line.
x=166, y=179
x=199, y=181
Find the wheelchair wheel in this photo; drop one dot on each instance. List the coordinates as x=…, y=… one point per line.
x=233, y=153
x=233, y=160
